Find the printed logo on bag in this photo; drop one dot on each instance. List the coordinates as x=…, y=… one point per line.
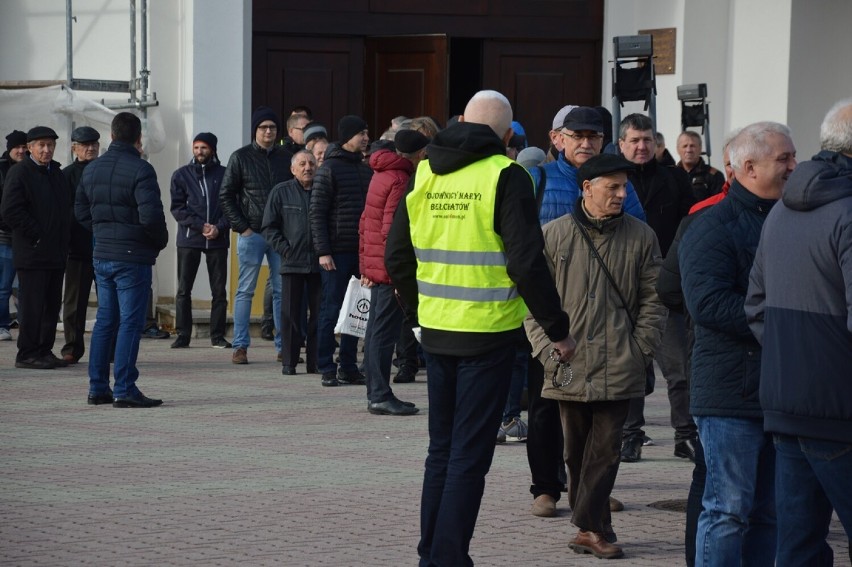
x=363, y=305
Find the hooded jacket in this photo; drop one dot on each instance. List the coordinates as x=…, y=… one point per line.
x=715, y=256
x=251, y=174
x=387, y=187
x=119, y=201
x=337, y=201
x=799, y=303
x=611, y=355
x=561, y=191
x=515, y=221
x=195, y=201
x=36, y=206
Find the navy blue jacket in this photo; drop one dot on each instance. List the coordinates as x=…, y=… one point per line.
x=80, y=241
x=195, y=201
x=800, y=303
x=119, y=201
x=716, y=255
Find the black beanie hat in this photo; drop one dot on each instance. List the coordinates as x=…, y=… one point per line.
x=15, y=138
x=349, y=126
x=208, y=138
x=260, y=114
x=410, y=141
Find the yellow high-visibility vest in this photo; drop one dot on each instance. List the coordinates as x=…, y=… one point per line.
x=462, y=281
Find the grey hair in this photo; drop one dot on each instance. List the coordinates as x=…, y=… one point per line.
x=306, y=152
x=835, y=134
x=730, y=138
x=490, y=108
x=634, y=121
x=750, y=143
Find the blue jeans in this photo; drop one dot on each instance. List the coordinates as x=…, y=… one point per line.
x=811, y=479
x=334, y=284
x=383, y=328
x=123, y=289
x=516, y=386
x=7, y=277
x=466, y=397
x=738, y=521
x=250, y=253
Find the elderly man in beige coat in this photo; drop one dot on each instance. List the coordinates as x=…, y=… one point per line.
x=617, y=321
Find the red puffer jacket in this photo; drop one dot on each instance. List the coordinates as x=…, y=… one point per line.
x=387, y=187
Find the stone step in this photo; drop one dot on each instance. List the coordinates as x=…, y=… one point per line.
x=166, y=315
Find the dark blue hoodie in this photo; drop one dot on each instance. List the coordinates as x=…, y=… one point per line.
x=799, y=303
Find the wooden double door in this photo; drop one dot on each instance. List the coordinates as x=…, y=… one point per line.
x=433, y=75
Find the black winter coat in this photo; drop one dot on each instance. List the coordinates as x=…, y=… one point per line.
x=119, y=199
x=80, y=241
x=36, y=204
x=665, y=195
x=286, y=227
x=337, y=201
x=251, y=174
x=195, y=201
x=716, y=256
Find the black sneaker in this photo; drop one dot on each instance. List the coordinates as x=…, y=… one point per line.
x=329, y=379
x=352, y=378
x=181, y=342
x=631, y=450
x=220, y=343
x=155, y=333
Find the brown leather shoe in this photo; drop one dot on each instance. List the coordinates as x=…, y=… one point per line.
x=594, y=543
x=615, y=505
x=544, y=506
x=70, y=358
x=239, y=356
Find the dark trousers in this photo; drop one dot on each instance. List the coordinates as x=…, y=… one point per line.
x=333, y=291
x=672, y=358
x=544, y=437
x=293, y=287
x=592, y=432
x=266, y=320
x=383, y=329
x=694, y=506
x=466, y=398
x=217, y=269
x=39, y=299
x=79, y=275
x=406, y=348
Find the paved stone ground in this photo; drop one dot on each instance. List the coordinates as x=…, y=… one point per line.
x=244, y=466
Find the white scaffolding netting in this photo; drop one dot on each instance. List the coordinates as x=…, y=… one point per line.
x=62, y=109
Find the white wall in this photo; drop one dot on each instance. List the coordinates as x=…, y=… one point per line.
x=819, y=71
x=198, y=56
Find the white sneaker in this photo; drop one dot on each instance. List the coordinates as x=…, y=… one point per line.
x=515, y=430
x=5, y=335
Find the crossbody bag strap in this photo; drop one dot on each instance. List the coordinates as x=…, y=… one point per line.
x=606, y=271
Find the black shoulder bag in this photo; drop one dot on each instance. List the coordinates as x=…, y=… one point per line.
x=650, y=378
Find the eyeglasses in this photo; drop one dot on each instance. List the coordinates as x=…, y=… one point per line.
x=580, y=137
x=562, y=368
x=270, y=128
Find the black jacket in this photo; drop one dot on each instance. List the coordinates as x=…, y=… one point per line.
x=515, y=221
x=119, y=200
x=716, y=256
x=665, y=195
x=36, y=205
x=80, y=242
x=251, y=174
x=706, y=181
x=286, y=227
x=195, y=201
x=337, y=201
x=5, y=231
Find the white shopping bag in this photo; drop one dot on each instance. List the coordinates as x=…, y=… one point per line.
x=355, y=310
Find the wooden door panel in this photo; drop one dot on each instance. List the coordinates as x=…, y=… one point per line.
x=404, y=76
x=540, y=78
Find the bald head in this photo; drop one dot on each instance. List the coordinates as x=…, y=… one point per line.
x=492, y=109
